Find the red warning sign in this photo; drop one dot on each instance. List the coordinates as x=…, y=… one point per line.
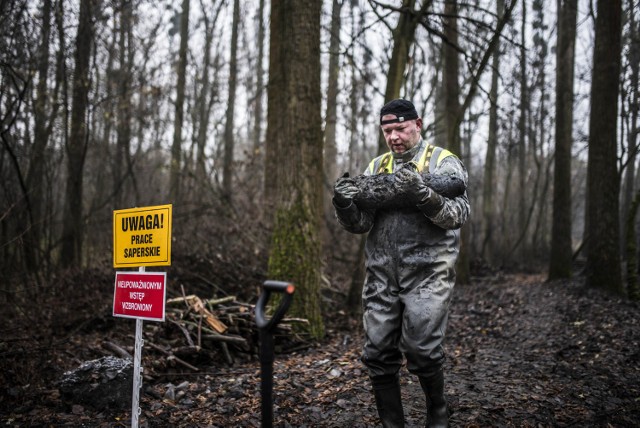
x=140, y=295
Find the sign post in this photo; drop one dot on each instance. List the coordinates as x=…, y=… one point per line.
x=141, y=237
x=137, y=372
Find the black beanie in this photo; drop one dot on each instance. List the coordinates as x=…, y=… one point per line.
x=402, y=109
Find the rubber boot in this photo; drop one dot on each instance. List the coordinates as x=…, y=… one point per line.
x=386, y=390
x=437, y=412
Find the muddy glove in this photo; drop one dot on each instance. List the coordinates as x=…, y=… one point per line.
x=409, y=182
x=344, y=191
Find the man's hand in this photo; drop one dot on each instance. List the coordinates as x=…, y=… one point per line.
x=409, y=181
x=344, y=191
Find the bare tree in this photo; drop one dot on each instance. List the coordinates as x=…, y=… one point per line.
x=227, y=162
x=122, y=164
x=454, y=111
x=176, y=147
x=205, y=98
x=77, y=146
x=488, y=184
x=522, y=135
x=451, y=86
x=258, y=110
x=35, y=175
x=403, y=37
x=330, y=147
x=630, y=201
x=603, y=245
x=630, y=106
x=561, y=251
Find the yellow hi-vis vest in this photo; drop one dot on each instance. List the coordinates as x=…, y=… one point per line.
x=428, y=160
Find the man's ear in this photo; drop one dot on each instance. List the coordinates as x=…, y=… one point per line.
x=419, y=124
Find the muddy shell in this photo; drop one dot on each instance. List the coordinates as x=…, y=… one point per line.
x=380, y=191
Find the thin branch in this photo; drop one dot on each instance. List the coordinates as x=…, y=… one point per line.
x=485, y=60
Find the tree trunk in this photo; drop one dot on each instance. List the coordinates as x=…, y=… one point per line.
x=488, y=184
x=227, y=163
x=633, y=59
x=522, y=138
x=453, y=124
x=353, y=158
x=121, y=164
x=633, y=289
x=561, y=248
x=403, y=37
x=450, y=76
x=330, y=158
x=294, y=136
x=204, y=104
x=72, y=223
x=176, y=147
x=354, y=245
x=330, y=147
x=539, y=202
x=603, y=258
x=258, y=110
x=35, y=175
x=452, y=112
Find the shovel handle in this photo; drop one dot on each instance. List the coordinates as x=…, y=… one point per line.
x=287, y=289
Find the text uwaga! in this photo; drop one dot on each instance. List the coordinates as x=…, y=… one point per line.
x=142, y=223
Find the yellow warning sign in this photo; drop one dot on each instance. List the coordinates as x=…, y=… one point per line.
x=142, y=236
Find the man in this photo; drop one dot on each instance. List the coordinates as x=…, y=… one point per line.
x=411, y=253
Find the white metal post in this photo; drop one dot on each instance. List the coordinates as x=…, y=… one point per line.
x=137, y=371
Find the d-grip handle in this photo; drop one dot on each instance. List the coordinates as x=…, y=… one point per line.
x=287, y=289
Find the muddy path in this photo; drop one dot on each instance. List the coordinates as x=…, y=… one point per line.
x=521, y=353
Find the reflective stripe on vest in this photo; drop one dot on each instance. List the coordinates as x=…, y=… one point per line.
x=431, y=157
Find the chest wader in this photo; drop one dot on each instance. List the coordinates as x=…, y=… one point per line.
x=410, y=276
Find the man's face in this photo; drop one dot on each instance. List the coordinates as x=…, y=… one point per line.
x=401, y=136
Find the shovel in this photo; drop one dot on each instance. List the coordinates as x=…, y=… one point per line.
x=266, y=327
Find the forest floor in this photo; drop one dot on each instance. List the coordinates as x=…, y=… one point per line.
x=522, y=352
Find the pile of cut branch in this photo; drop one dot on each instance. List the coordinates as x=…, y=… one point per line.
x=200, y=332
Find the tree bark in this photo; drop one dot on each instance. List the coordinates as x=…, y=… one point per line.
x=76, y=149
x=357, y=120
x=522, y=138
x=603, y=258
x=176, y=147
x=450, y=76
x=354, y=135
x=227, y=162
x=633, y=59
x=561, y=248
x=123, y=142
x=35, y=175
x=258, y=150
x=633, y=289
x=204, y=104
x=330, y=147
x=488, y=184
x=294, y=136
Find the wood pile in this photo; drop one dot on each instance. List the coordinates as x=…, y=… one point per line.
x=200, y=332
